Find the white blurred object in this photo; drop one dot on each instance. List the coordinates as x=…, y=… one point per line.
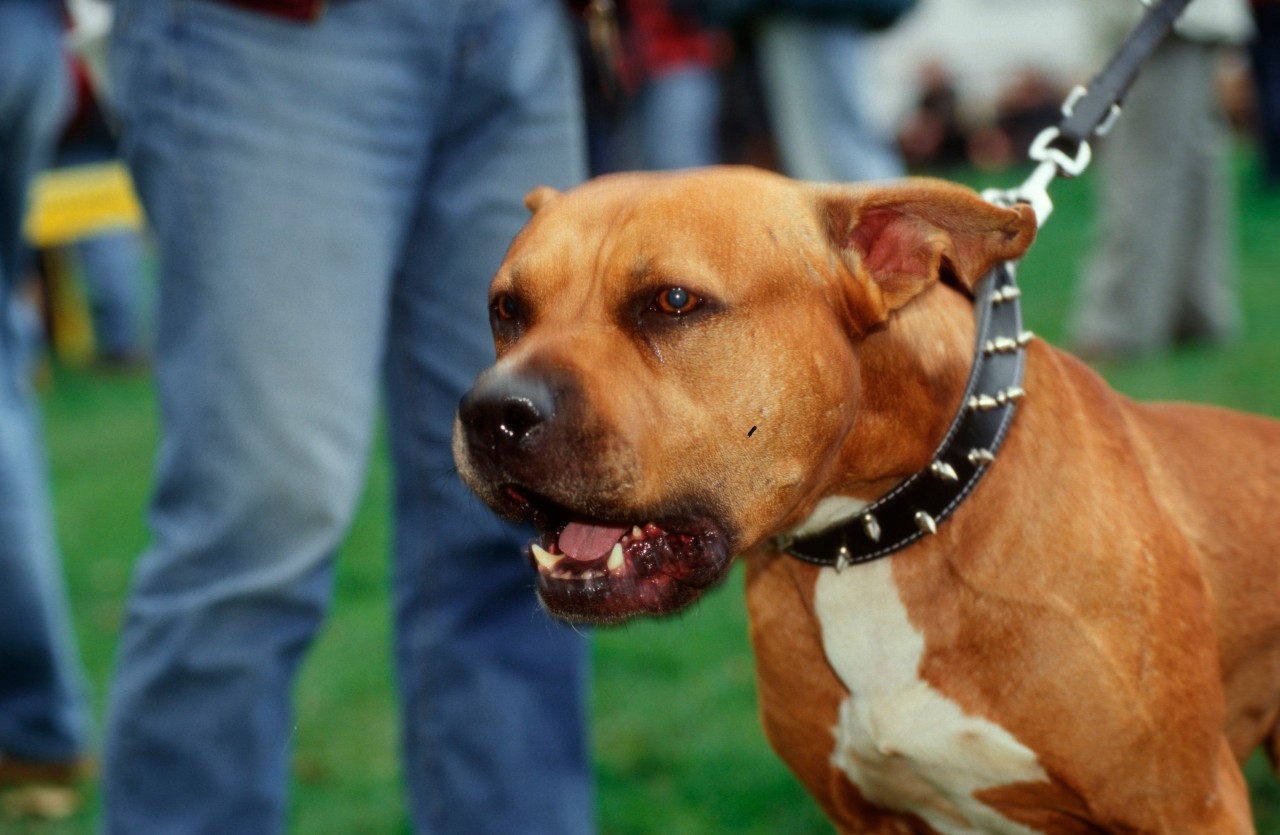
x=983, y=44
x=1204, y=21
x=1222, y=21
x=90, y=32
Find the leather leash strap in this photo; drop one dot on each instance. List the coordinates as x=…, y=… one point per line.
x=1094, y=109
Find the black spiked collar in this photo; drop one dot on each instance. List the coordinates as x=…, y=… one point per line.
x=917, y=506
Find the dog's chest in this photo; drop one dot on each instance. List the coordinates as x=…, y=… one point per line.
x=904, y=744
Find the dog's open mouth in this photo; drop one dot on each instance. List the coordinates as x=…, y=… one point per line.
x=603, y=571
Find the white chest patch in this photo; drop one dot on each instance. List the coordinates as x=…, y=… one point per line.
x=904, y=744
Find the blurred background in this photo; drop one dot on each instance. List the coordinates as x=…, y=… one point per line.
x=957, y=87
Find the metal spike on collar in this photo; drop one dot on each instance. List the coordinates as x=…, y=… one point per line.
x=871, y=526
x=978, y=457
x=983, y=403
x=1006, y=294
x=1001, y=345
x=926, y=523
x=944, y=471
x=1010, y=394
x=843, y=559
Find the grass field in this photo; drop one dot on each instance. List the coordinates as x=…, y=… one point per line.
x=678, y=746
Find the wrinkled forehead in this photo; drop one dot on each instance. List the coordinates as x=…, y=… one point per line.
x=718, y=220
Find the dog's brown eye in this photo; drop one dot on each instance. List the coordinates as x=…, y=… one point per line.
x=677, y=301
x=506, y=308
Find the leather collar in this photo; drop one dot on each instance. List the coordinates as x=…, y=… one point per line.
x=918, y=505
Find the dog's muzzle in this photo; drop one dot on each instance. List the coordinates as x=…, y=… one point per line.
x=527, y=451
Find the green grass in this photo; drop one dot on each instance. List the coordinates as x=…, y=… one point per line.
x=678, y=744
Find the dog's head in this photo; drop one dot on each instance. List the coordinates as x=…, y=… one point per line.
x=678, y=371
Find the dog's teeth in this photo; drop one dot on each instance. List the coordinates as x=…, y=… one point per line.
x=636, y=533
x=546, y=560
x=616, y=560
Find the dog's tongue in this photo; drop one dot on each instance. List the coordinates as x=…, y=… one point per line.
x=585, y=542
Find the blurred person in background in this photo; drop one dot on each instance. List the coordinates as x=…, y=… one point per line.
x=809, y=54
x=331, y=186
x=1265, y=54
x=816, y=86
x=1162, y=268
x=112, y=260
x=670, y=67
x=1030, y=102
x=1162, y=271
x=933, y=135
x=43, y=703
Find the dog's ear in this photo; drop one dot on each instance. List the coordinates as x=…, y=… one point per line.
x=906, y=235
x=538, y=197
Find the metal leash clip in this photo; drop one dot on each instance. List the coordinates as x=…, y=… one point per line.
x=1053, y=161
x=1064, y=149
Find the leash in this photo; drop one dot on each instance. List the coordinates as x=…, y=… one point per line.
x=916, y=507
x=1089, y=112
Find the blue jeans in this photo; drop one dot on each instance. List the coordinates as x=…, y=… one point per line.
x=43, y=707
x=330, y=201
x=815, y=85
x=112, y=264
x=673, y=121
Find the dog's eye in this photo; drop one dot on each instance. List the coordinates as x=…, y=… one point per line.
x=676, y=301
x=505, y=307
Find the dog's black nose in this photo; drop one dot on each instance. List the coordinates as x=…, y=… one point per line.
x=502, y=411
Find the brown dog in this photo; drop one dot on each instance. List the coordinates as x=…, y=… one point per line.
x=725, y=362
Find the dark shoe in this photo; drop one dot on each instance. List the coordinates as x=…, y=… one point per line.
x=19, y=772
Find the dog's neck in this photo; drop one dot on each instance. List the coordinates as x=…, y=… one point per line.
x=913, y=373
x=921, y=444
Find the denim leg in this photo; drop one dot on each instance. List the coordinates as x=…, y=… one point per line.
x=815, y=83
x=111, y=263
x=674, y=120
x=276, y=163
x=43, y=704
x=493, y=690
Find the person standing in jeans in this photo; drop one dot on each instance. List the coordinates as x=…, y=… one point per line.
x=331, y=186
x=44, y=712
